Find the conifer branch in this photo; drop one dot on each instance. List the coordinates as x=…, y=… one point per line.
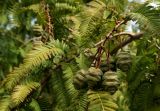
x=116, y=35
x=129, y=40
x=109, y=35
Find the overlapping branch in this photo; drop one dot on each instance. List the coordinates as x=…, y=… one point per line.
x=129, y=40
x=132, y=35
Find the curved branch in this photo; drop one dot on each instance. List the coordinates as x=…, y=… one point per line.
x=125, y=33
x=116, y=35
x=109, y=35
x=132, y=38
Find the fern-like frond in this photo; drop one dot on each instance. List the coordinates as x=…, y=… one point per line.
x=140, y=67
x=68, y=75
x=116, y=5
x=147, y=17
x=37, y=9
x=101, y=101
x=17, y=11
x=62, y=95
x=35, y=58
x=122, y=96
x=20, y=92
x=64, y=8
x=142, y=99
x=5, y=104
x=34, y=105
x=80, y=102
x=37, y=30
x=78, y=98
x=91, y=19
x=122, y=100
x=82, y=61
x=34, y=7
x=45, y=103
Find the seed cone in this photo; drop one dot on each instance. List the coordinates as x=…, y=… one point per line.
x=110, y=82
x=124, y=61
x=79, y=80
x=93, y=77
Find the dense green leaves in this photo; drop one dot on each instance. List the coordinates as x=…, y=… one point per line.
x=101, y=101
x=147, y=17
x=4, y=103
x=91, y=19
x=35, y=58
x=48, y=42
x=20, y=92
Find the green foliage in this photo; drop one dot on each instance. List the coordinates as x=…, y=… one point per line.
x=35, y=58
x=34, y=105
x=61, y=88
x=80, y=102
x=147, y=17
x=82, y=61
x=116, y=6
x=20, y=92
x=4, y=103
x=42, y=79
x=64, y=8
x=101, y=101
x=143, y=97
x=91, y=19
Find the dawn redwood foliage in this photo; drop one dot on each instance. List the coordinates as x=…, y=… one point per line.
x=78, y=55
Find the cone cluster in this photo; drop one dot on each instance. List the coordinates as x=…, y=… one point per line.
x=103, y=78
